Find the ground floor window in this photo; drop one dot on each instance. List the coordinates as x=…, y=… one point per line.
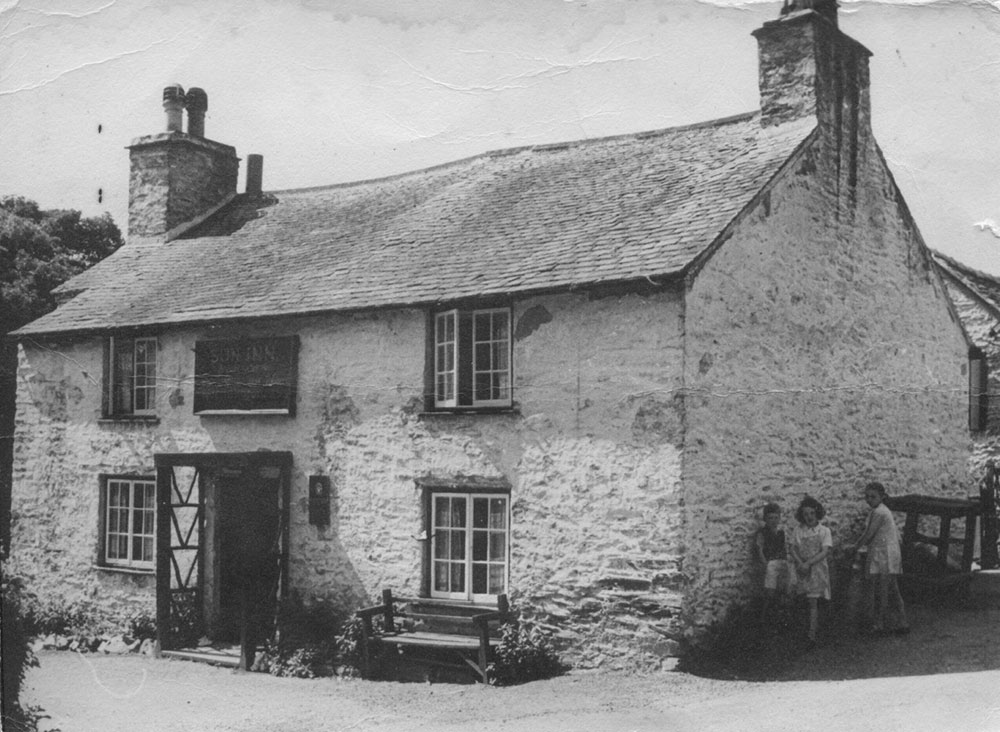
x=469, y=553
x=129, y=523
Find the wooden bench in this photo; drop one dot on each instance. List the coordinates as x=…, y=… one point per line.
x=439, y=632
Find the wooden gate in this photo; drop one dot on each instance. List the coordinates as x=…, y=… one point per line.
x=181, y=480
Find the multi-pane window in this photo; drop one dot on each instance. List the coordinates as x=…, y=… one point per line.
x=129, y=523
x=472, y=358
x=131, y=383
x=469, y=552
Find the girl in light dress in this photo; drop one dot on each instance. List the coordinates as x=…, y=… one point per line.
x=885, y=564
x=809, y=548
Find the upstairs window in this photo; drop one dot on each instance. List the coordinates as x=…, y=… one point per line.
x=130, y=377
x=472, y=358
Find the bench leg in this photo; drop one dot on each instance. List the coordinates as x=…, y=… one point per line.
x=366, y=662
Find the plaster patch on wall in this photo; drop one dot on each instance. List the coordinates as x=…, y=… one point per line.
x=532, y=319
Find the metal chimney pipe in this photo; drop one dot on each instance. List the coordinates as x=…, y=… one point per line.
x=173, y=105
x=255, y=174
x=197, y=104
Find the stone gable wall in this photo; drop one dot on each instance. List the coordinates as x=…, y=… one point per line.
x=820, y=354
x=592, y=456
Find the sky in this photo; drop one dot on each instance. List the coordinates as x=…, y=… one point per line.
x=347, y=90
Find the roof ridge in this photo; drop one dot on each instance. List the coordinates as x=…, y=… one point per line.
x=541, y=147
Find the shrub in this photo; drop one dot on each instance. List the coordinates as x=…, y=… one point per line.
x=305, y=662
x=17, y=656
x=141, y=625
x=305, y=641
x=58, y=618
x=523, y=654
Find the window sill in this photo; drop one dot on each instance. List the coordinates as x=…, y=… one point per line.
x=469, y=412
x=151, y=420
x=112, y=569
x=244, y=413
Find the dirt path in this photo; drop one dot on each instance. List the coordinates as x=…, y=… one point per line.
x=944, y=677
x=111, y=693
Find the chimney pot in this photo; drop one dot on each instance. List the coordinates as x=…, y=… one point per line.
x=255, y=174
x=196, y=102
x=173, y=105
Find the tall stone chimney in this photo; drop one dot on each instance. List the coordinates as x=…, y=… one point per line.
x=809, y=67
x=176, y=178
x=196, y=101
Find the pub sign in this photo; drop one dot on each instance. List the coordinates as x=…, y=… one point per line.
x=246, y=375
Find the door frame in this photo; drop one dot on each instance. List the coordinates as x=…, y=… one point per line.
x=172, y=536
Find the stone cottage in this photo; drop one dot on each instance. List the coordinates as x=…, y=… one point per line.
x=571, y=373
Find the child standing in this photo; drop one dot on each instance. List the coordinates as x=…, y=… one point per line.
x=769, y=545
x=885, y=562
x=809, y=548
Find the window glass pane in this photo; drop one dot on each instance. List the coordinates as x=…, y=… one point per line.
x=122, y=552
x=441, y=576
x=498, y=513
x=479, y=546
x=496, y=586
x=457, y=512
x=480, y=512
x=441, y=544
x=500, y=321
x=457, y=577
x=458, y=545
x=147, y=549
x=498, y=545
x=500, y=356
x=441, y=511
x=137, y=521
x=479, y=574
x=482, y=356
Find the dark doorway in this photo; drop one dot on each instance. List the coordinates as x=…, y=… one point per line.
x=247, y=516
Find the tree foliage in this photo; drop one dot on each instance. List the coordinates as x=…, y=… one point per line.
x=41, y=249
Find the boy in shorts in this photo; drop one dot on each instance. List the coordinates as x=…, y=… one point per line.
x=769, y=546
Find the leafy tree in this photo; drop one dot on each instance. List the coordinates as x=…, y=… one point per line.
x=39, y=250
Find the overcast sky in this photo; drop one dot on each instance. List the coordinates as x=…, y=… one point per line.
x=347, y=90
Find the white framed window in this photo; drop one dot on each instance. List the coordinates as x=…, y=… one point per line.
x=469, y=554
x=131, y=377
x=129, y=523
x=472, y=358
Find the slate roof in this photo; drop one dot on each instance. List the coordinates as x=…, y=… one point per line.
x=512, y=221
x=984, y=286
